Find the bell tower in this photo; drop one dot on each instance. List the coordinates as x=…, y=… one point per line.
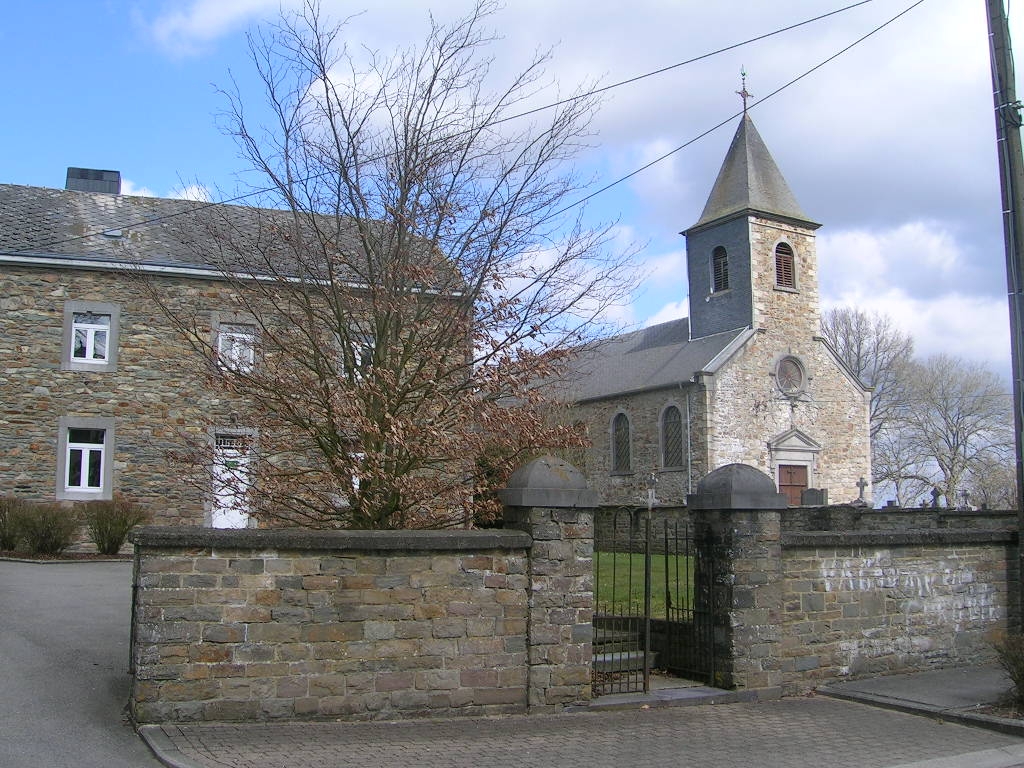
x=751, y=259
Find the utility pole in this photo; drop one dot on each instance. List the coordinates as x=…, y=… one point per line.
x=1011, y=179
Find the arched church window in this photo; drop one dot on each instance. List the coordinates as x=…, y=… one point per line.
x=785, y=270
x=621, y=459
x=719, y=269
x=671, y=438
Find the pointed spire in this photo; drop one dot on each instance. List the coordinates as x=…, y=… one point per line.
x=749, y=180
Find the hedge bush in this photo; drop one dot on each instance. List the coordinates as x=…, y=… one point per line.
x=9, y=509
x=46, y=529
x=110, y=521
x=1010, y=652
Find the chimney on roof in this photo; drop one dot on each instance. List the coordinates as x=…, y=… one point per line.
x=89, y=180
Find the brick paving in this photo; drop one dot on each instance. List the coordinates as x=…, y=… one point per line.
x=790, y=733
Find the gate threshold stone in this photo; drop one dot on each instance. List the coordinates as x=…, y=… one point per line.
x=670, y=697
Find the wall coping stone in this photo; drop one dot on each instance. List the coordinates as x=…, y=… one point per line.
x=548, y=482
x=318, y=540
x=736, y=487
x=901, y=538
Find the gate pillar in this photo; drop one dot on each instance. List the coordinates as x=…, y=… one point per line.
x=736, y=513
x=549, y=499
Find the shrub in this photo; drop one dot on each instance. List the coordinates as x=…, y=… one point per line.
x=1010, y=652
x=46, y=529
x=9, y=510
x=110, y=521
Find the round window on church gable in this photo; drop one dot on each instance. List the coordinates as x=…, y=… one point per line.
x=790, y=376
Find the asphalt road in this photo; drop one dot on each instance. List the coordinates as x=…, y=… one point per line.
x=64, y=636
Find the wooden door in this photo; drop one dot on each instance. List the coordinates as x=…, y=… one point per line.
x=792, y=480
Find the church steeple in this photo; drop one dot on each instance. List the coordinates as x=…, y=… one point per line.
x=751, y=259
x=749, y=180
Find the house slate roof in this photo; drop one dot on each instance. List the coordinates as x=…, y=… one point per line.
x=661, y=356
x=749, y=180
x=42, y=224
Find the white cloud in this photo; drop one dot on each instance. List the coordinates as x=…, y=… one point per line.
x=128, y=188
x=196, y=192
x=975, y=328
x=666, y=266
x=190, y=27
x=672, y=311
x=920, y=275
x=918, y=252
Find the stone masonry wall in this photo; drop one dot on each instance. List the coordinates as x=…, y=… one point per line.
x=644, y=411
x=294, y=624
x=260, y=625
x=157, y=401
x=860, y=603
x=793, y=610
x=833, y=413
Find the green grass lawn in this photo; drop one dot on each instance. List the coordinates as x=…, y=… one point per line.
x=619, y=582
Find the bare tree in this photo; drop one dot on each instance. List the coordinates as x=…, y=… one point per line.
x=993, y=483
x=876, y=352
x=411, y=271
x=896, y=464
x=955, y=421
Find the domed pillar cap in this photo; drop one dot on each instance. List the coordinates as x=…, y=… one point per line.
x=736, y=486
x=548, y=482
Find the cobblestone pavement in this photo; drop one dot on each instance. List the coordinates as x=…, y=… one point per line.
x=790, y=733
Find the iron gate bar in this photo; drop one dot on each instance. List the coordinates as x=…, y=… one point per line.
x=674, y=635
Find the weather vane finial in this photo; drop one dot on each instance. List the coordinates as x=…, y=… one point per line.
x=744, y=93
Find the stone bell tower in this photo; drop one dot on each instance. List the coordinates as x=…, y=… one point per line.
x=751, y=256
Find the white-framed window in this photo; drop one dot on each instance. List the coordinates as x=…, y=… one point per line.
x=91, y=331
x=90, y=334
x=85, y=458
x=362, y=347
x=236, y=346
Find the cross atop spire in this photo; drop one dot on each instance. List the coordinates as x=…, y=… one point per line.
x=744, y=93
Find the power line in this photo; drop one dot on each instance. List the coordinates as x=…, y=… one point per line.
x=695, y=59
x=729, y=119
x=200, y=206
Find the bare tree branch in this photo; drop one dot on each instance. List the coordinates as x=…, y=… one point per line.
x=410, y=275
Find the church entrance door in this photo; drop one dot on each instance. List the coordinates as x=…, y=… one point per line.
x=792, y=481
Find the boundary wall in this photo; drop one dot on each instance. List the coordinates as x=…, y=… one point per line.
x=292, y=624
x=253, y=625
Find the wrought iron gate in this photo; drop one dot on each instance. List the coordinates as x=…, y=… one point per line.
x=652, y=602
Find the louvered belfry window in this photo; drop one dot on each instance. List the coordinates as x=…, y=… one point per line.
x=620, y=443
x=785, y=271
x=671, y=438
x=720, y=268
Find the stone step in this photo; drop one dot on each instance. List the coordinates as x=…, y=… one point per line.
x=615, y=646
x=629, y=661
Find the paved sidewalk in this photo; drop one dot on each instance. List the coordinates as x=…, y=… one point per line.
x=791, y=733
x=959, y=695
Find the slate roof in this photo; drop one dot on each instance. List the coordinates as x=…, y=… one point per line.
x=39, y=223
x=749, y=180
x=657, y=357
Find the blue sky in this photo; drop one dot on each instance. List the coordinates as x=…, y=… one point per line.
x=890, y=146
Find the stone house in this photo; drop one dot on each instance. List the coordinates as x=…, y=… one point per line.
x=747, y=378
x=99, y=383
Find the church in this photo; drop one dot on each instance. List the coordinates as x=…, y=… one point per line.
x=747, y=377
